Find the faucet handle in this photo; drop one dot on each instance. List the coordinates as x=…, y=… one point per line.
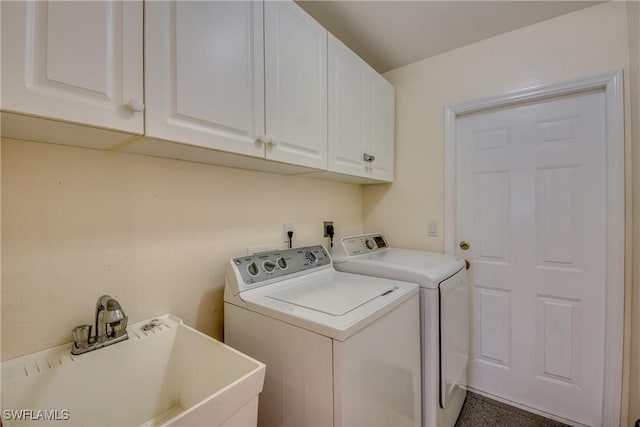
x=120, y=328
x=81, y=335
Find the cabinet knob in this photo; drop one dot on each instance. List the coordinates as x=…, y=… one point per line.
x=136, y=104
x=368, y=157
x=274, y=142
x=264, y=139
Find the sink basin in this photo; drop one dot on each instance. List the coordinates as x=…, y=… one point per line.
x=170, y=375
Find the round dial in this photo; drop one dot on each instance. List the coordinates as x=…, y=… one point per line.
x=311, y=257
x=269, y=266
x=369, y=243
x=253, y=269
x=282, y=263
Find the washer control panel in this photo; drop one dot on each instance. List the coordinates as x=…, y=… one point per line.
x=358, y=245
x=270, y=265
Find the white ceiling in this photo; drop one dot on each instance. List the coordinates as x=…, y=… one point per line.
x=390, y=34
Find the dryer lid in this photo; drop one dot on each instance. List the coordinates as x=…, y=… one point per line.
x=427, y=269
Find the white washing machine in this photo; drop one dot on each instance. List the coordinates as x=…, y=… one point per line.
x=341, y=349
x=444, y=304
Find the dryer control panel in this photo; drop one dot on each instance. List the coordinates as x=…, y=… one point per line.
x=266, y=266
x=358, y=245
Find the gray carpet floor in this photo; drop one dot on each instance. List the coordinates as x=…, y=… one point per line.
x=479, y=411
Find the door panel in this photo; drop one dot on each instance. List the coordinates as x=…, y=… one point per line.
x=382, y=104
x=295, y=85
x=348, y=109
x=205, y=74
x=531, y=203
x=74, y=61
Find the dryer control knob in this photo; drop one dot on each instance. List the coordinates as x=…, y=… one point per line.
x=311, y=257
x=369, y=243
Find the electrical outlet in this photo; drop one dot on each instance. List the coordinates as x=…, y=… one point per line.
x=324, y=227
x=287, y=228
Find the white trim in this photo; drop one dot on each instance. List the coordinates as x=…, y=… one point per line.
x=611, y=83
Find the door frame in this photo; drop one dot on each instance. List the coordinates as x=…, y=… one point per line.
x=611, y=83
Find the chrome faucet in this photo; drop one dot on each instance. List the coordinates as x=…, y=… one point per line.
x=111, y=327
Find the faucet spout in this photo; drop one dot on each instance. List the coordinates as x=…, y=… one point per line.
x=108, y=313
x=110, y=327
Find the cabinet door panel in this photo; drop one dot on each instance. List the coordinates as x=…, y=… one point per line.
x=348, y=81
x=382, y=128
x=74, y=61
x=204, y=74
x=296, y=85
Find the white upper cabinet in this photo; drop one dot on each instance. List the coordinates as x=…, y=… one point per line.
x=348, y=109
x=382, y=127
x=361, y=117
x=74, y=61
x=295, y=85
x=250, y=84
x=204, y=74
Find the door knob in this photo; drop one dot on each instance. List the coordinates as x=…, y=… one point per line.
x=464, y=245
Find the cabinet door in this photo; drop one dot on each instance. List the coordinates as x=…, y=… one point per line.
x=348, y=110
x=295, y=85
x=382, y=128
x=74, y=61
x=204, y=74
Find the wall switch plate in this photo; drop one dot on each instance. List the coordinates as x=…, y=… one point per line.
x=433, y=229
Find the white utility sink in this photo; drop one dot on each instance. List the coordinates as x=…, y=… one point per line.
x=169, y=375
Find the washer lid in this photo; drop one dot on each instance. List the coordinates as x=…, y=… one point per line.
x=334, y=298
x=328, y=302
x=427, y=269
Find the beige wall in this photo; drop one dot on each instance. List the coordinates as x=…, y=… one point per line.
x=634, y=56
x=579, y=44
x=583, y=43
x=156, y=233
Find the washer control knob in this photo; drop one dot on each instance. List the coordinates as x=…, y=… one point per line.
x=369, y=243
x=282, y=263
x=269, y=266
x=253, y=269
x=311, y=257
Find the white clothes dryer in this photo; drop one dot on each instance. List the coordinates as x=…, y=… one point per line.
x=444, y=308
x=340, y=349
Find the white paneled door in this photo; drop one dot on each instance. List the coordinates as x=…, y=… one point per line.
x=531, y=204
